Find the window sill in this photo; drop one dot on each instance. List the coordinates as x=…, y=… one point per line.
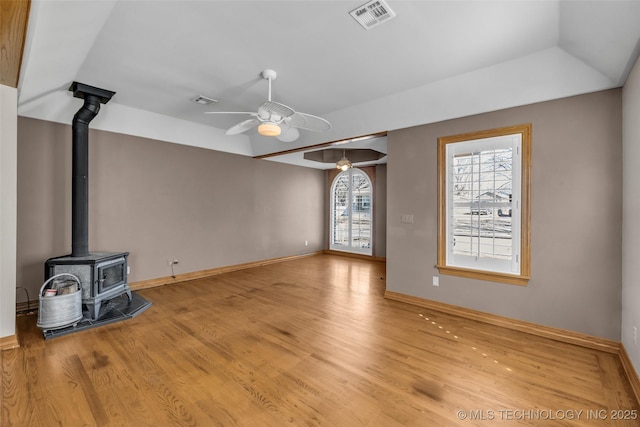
x=511, y=279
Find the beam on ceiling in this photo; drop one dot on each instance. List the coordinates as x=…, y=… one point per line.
x=323, y=144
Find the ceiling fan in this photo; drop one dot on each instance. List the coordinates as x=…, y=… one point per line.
x=275, y=119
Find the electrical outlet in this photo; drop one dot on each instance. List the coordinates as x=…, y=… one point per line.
x=436, y=281
x=306, y=243
x=406, y=218
x=172, y=262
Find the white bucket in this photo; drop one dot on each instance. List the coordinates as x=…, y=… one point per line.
x=59, y=311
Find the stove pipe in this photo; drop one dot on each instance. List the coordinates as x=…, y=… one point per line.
x=93, y=97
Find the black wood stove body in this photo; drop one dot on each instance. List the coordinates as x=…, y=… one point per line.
x=103, y=275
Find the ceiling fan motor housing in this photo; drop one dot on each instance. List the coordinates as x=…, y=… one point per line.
x=269, y=74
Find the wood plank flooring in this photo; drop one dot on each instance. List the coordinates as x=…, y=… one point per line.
x=309, y=342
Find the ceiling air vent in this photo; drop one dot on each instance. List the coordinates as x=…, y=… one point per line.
x=372, y=13
x=204, y=100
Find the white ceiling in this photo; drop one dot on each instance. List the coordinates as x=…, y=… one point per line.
x=436, y=60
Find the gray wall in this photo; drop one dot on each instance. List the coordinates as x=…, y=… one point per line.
x=380, y=212
x=161, y=201
x=631, y=213
x=576, y=216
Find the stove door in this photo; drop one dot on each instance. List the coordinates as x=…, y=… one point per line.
x=112, y=274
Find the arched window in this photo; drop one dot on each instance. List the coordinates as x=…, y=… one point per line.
x=352, y=212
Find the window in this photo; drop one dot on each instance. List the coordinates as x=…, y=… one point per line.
x=351, y=212
x=483, y=204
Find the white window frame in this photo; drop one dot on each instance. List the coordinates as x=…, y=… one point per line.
x=350, y=248
x=516, y=269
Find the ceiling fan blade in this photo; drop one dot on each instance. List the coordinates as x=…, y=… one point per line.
x=308, y=122
x=231, y=112
x=277, y=108
x=289, y=134
x=242, y=127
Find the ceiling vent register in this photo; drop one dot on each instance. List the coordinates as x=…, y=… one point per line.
x=204, y=100
x=372, y=13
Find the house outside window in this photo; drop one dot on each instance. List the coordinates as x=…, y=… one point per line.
x=483, y=202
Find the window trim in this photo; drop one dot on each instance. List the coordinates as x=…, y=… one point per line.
x=523, y=278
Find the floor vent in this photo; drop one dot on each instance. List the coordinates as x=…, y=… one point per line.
x=372, y=13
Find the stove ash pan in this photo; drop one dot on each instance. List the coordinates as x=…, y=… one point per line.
x=103, y=276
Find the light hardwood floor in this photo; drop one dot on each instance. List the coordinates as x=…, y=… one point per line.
x=305, y=342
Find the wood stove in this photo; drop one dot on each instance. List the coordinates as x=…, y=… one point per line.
x=103, y=275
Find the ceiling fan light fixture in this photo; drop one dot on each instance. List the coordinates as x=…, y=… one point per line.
x=343, y=164
x=269, y=129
